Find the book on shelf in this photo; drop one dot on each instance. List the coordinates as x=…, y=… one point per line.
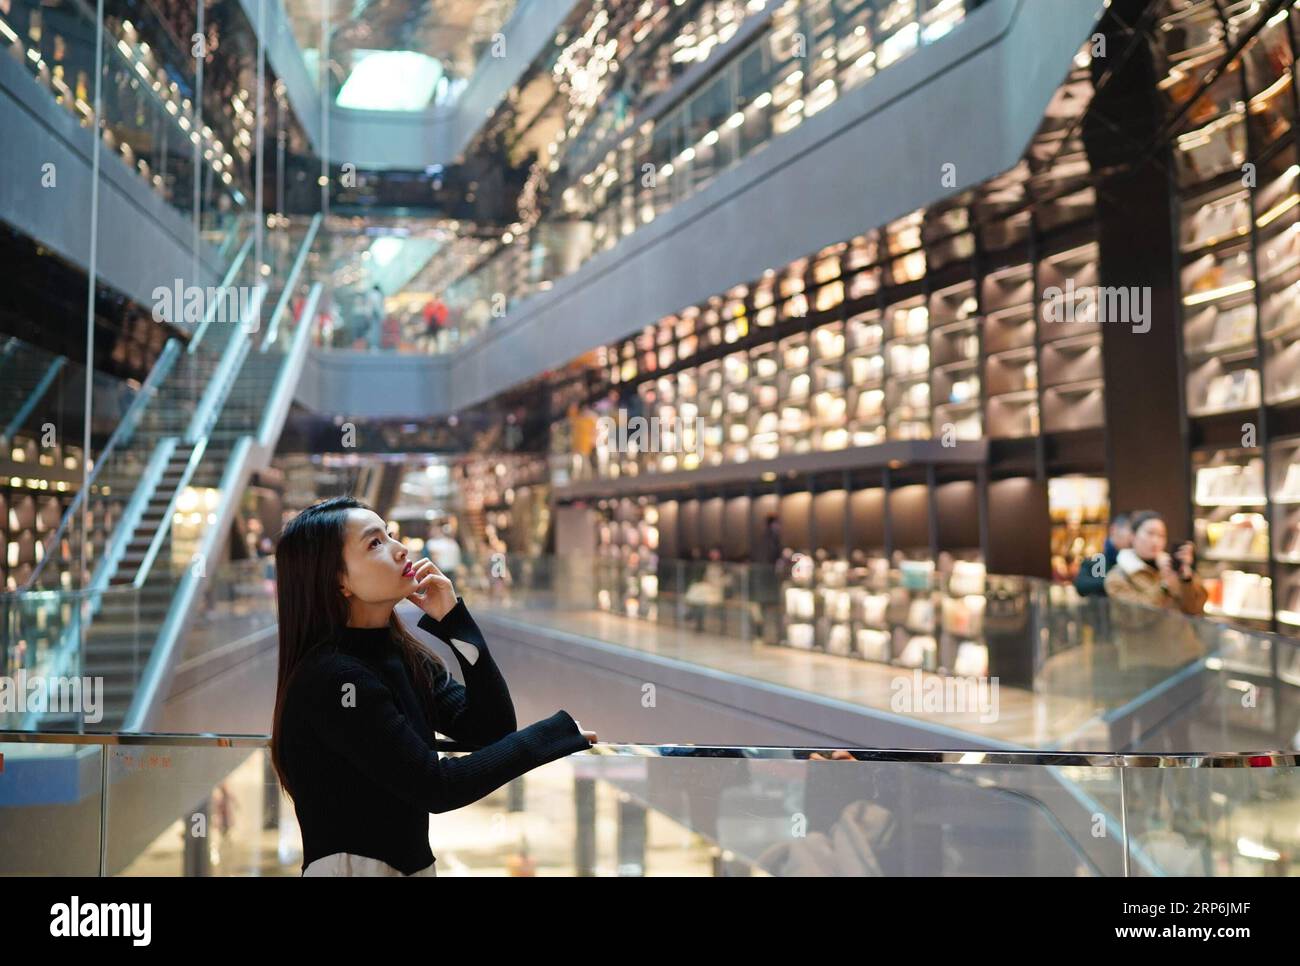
x=873, y=644
x=1240, y=593
x=1230, y=482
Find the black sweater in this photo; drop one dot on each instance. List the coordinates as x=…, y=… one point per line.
x=356, y=743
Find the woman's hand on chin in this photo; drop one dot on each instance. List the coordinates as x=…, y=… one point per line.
x=433, y=592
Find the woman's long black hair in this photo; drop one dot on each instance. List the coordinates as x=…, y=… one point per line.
x=312, y=608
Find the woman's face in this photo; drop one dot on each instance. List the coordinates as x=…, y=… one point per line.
x=376, y=568
x=1149, y=539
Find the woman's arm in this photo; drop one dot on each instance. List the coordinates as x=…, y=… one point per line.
x=480, y=711
x=354, y=713
x=1193, y=596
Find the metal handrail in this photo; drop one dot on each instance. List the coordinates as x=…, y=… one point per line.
x=208, y=316
x=273, y=327
x=166, y=359
x=227, y=371
x=1054, y=759
x=282, y=393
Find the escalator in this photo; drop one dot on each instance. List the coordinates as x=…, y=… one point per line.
x=165, y=486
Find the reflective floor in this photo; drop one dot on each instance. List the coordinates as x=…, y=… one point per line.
x=1024, y=718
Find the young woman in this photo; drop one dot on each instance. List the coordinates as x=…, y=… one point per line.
x=359, y=700
x=1144, y=573
x=1154, y=636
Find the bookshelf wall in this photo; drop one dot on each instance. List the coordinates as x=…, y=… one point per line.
x=36, y=488
x=978, y=319
x=932, y=327
x=1238, y=201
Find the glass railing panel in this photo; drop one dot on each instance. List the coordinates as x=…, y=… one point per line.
x=50, y=809
x=80, y=653
x=211, y=805
x=37, y=625
x=100, y=642
x=1213, y=821
x=799, y=817
x=192, y=811
x=1059, y=670
x=146, y=119
x=238, y=605
x=28, y=373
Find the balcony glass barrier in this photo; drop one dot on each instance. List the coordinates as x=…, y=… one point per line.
x=623, y=162
x=210, y=806
x=807, y=55
x=147, y=115
x=74, y=658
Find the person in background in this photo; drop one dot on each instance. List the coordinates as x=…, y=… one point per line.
x=582, y=423
x=375, y=315
x=444, y=551
x=1090, y=581
x=435, y=316
x=708, y=591
x=767, y=582
x=1146, y=574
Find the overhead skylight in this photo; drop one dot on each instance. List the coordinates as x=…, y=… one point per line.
x=384, y=250
x=390, y=80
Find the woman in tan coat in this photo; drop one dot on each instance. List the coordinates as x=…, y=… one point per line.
x=1146, y=574
x=1150, y=591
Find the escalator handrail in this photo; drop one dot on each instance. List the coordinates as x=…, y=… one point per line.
x=286, y=383
x=290, y=283
x=226, y=281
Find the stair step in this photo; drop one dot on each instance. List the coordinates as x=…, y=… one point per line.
x=121, y=632
x=116, y=673
x=123, y=672
x=152, y=615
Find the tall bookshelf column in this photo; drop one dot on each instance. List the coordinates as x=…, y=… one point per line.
x=1145, y=441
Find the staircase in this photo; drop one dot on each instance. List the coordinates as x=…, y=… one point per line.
x=141, y=550
x=204, y=423
x=118, y=642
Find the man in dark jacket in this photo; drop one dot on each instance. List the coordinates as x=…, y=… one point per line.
x=1091, y=578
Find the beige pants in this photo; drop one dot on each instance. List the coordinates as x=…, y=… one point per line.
x=345, y=863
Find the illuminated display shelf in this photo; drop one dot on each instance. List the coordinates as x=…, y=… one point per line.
x=1237, y=191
